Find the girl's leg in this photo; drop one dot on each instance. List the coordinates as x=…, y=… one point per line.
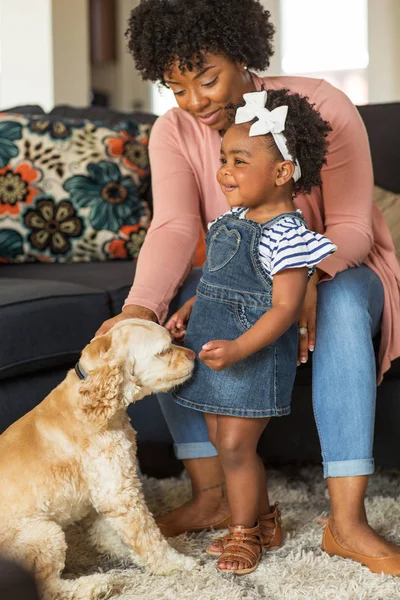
x=344, y=393
x=236, y=441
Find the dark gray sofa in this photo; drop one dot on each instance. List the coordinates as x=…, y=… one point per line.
x=48, y=312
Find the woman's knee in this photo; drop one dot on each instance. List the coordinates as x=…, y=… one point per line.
x=343, y=309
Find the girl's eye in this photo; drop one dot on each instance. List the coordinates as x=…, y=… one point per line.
x=239, y=162
x=222, y=161
x=180, y=93
x=210, y=83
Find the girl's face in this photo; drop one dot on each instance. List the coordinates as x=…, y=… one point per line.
x=250, y=174
x=205, y=93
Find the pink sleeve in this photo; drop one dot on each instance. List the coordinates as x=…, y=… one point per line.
x=167, y=253
x=347, y=184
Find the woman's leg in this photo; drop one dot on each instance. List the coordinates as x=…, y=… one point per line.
x=192, y=445
x=344, y=393
x=236, y=441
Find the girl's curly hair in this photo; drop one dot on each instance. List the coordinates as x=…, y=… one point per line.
x=305, y=132
x=162, y=31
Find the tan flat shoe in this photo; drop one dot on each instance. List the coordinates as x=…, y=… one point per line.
x=271, y=533
x=174, y=530
x=390, y=565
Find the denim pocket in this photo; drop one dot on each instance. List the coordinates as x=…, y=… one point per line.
x=222, y=248
x=247, y=316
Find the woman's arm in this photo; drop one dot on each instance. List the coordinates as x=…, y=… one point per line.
x=347, y=182
x=167, y=253
x=288, y=291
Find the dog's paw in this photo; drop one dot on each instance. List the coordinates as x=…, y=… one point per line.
x=177, y=563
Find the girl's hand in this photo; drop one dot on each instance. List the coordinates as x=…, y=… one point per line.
x=177, y=324
x=220, y=354
x=307, y=320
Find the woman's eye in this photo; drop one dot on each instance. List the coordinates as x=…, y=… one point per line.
x=180, y=93
x=210, y=83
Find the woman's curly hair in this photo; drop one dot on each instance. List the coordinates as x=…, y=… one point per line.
x=305, y=132
x=163, y=31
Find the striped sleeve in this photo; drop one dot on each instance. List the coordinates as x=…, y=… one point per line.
x=298, y=247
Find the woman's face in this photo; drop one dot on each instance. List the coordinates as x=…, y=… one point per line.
x=205, y=93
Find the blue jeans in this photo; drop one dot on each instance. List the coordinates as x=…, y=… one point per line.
x=344, y=377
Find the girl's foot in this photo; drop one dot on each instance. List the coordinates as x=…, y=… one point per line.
x=203, y=511
x=242, y=551
x=270, y=532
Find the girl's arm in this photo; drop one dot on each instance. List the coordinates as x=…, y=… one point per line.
x=288, y=291
x=177, y=324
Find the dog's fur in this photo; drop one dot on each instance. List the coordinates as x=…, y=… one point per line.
x=73, y=458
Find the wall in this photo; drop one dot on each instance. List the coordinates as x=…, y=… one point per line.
x=26, y=57
x=119, y=79
x=384, y=50
x=44, y=47
x=71, y=68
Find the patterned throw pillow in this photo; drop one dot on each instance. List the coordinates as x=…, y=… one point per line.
x=72, y=190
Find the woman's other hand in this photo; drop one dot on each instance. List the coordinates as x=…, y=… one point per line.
x=220, y=354
x=307, y=319
x=131, y=311
x=177, y=324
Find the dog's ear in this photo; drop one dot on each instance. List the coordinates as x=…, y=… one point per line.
x=110, y=386
x=98, y=347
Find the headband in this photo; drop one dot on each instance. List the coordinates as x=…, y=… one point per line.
x=268, y=122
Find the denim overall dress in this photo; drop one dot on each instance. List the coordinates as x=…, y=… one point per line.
x=233, y=293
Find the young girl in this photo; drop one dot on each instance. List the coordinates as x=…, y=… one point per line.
x=243, y=318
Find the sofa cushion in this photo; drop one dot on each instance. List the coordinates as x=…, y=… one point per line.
x=100, y=113
x=389, y=205
x=383, y=127
x=113, y=279
x=72, y=190
x=46, y=323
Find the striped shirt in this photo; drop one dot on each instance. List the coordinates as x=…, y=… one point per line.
x=288, y=244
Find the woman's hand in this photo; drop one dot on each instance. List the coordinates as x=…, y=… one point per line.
x=177, y=324
x=220, y=354
x=131, y=311
x=307, y=319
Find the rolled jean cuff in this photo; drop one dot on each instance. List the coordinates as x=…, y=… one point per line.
x=195, y=450
x=349, y=468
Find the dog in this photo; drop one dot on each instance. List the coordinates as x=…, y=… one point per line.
x=73, y=458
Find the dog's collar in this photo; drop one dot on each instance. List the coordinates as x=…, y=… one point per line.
x=80, y=371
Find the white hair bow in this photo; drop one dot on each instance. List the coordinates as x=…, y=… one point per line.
x=269, y=121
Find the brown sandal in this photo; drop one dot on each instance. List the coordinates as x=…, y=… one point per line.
x=243, y=545
x=270, y=532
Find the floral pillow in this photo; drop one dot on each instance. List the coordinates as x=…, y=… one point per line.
x=72, y=190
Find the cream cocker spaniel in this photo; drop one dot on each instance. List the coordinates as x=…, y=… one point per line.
x=73, y=458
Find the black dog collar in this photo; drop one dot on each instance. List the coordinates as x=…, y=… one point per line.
x=80, y=371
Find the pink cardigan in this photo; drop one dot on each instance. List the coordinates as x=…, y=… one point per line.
x=184, y=156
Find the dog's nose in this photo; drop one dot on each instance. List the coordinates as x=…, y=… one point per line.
x=190, y=353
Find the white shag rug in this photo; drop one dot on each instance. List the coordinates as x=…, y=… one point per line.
x=298, y=571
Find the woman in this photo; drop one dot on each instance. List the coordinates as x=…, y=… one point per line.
x=206, y=52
